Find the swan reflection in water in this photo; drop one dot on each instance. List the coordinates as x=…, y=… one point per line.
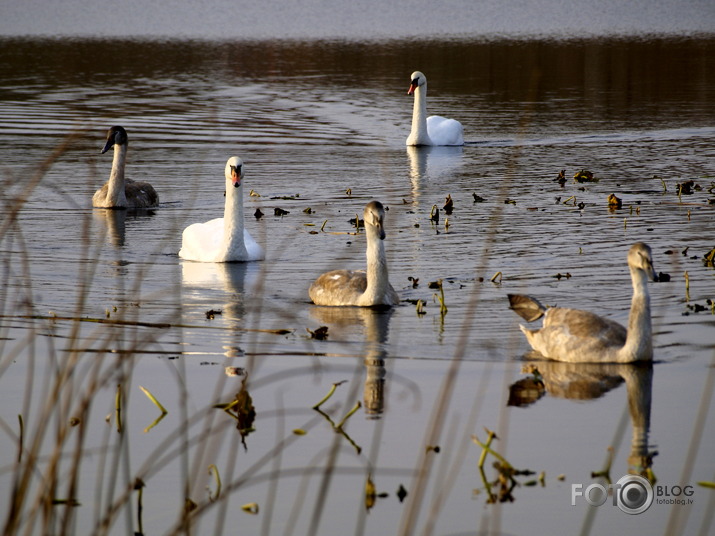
x=589, y=381
x=436, y=164
x=113, y=223
x=220, y=287
x=376, y=325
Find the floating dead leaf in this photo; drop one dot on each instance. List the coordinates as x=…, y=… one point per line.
x=434, y=214
x=253, y=193
x=401, y=493
x=686, y=187
x=258, y=214
x=74, y=421
x=308, y=210
x=319, y=334
x=509, y=201
x=584, y=176
x=349, y=192
x=299, y=432
x=370, y=493
x=235, y=371
x=250, y=508
x=709, y=258
x=280, y=212
x=614, y=202
x=478, y=198
x=211, y=313
x=561, y=179
x=448, y=205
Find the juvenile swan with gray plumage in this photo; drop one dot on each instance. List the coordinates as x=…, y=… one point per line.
x=120, y=192
x=358, y=287
x=576, y=336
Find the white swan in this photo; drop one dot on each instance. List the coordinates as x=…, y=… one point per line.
x=120, y=192
x=433, y=130
x=223, y=239
x=358, y=287
x=578, y=336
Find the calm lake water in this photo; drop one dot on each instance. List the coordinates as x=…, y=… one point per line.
x=321, y=125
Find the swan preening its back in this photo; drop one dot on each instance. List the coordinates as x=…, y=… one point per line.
x=433, y=130
x=577, y=336
x=120, y=192
x=357, y=287
x=223, y=239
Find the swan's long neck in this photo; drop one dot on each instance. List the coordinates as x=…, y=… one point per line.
x=639, y=341
x=116, y=194
x=418, y=134
x=233, y=241
x=378, y=281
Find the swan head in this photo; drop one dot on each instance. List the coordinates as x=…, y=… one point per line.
x=234, y=171
x=115, y=136
x=640, y=258
x=417, y=79
x=374, y=216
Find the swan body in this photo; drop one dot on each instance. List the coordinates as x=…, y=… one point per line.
x=358, y=287
x=120, y=192
x=223, y=239
x=576, y=336
x=433, y=130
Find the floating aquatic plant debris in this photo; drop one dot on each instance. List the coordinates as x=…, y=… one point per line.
x=299, y=432
x=357, y=222
x=420, y=308
x=253, y=193
x=75, y=421
x=478, y=198
x=699, y=308
x=258, y=214
x=401, y=493
x=349, y=414
x=584, y=176
x=370, y=493
x=250, y=508
x=614, y=202
x=686, y=187
x=286, y=197
x=349, y=192
x=330, y=393
x=235, y=371
x=434, y=214
x=415, y=281
x=709, y=258
x=153, y=399
x=496, y=276
x=211, y=313
x=213, y=471
x=687, y=286
x=665, y=187
x=448, y=205
x=189, y=505
x=280, y=212
x=560, y=276
x=319, y=334
x=435, y=284
x=308, y=210
x=663, y=277
x=446, y=224
x=561, y=179
x=509, y=201
x=432, y=448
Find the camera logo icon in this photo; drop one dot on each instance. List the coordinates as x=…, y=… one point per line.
x=634, y=494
